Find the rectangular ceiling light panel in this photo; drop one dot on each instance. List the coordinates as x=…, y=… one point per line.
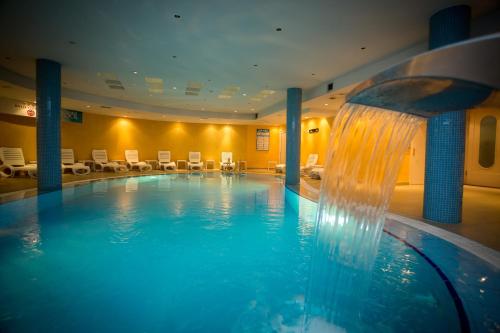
x=228, y=92
x=155, y=84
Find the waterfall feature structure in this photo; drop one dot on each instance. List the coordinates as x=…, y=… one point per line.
x=370, y=135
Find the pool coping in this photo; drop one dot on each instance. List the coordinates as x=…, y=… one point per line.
x=483, y=252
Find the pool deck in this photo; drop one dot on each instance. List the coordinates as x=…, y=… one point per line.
x=481, y=206
x=480, y=212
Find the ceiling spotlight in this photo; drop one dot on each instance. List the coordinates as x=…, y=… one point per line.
x=326, y=104
x=235, y=110
x=135, y=72
x=244, y=94
x=175, y=88
x=279, y=29
x=177, y=16
x=252, y=109
x=87, y=106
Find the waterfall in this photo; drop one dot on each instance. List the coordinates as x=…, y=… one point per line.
x=366, y=149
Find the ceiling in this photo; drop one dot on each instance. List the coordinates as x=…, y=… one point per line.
x=228, y=59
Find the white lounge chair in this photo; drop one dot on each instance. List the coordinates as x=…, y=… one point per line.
x=195, y=162
x=13, y=161
x=280, y=168
x=100, y=157
x=132, y=158
x=164, y=160
x=312, y=159
x=68, y=163
x=317, y=173
x=227, y=163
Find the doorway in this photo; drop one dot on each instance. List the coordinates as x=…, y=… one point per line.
x=482, y=165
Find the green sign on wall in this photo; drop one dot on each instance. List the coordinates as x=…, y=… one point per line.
x=72, y=116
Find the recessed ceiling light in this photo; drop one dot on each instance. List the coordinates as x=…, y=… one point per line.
x=244, y=94
x=177, y=16
x=326, y=104
x=135, y=72
x=279, y=29
x=363, y=48
x=87, y=106
x=235, y=110
x=175, y=88
x=252, y=109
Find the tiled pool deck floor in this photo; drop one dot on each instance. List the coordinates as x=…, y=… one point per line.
x=480, y=212
x=481, y=206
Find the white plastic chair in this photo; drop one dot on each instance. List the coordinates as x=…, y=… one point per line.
x=68, y=163
x=13, y=161
x=164, y=160
x=195, y=162
x=100, y=157
x=227, y=163
x=312, y=159
x=132, y=158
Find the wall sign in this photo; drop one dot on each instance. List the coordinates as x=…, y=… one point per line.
x=25, y=109
x=313, y=130
x=18, y=108
x=72, y=116
x=263, y=136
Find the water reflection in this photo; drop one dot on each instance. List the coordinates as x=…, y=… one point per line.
x=131, y=184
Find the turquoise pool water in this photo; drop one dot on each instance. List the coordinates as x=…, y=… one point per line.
x=197, y=253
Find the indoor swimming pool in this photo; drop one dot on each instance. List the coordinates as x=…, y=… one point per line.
x=215, y=253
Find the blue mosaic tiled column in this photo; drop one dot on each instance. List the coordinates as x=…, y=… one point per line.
x=444, y=163
x=48, y=124
x=293, y=114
